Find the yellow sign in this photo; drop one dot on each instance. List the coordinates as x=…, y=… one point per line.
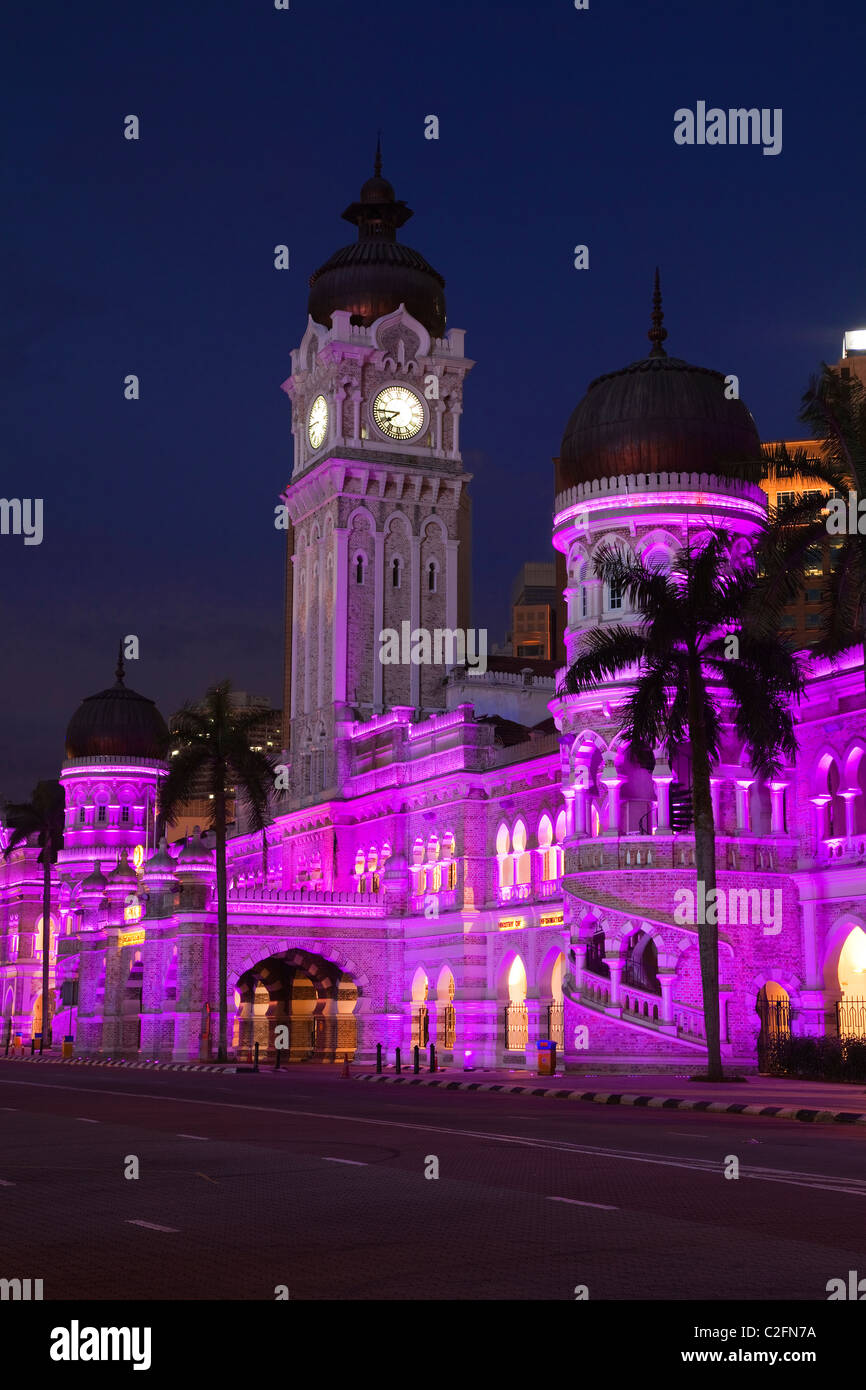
x=132, y=912
x=511, y=923
x=130, y=938
x=551, y=919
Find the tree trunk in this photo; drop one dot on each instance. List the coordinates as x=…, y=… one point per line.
x=222, y=913
x=705, y=863
x=46, y=952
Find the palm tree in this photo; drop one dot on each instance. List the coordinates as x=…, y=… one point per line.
x=687, y=685
x=835, y=409
x=212, y=749
x=44, y=818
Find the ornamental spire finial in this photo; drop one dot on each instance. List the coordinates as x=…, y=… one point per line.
x=120, y=670
x=377, y=166
x=658, y=332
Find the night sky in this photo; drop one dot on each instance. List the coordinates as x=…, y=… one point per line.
x=258, y=127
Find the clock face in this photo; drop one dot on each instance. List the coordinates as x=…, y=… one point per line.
x=317, y=426
x=398, y=412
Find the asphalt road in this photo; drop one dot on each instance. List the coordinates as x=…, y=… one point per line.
x=304, y=1179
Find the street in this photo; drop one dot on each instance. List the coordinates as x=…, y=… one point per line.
x=310, y=1181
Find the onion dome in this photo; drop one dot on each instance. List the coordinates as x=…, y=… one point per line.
x=195, y=857
x=160, y=869
x=117, y=723
x=124, y=874
x=659, y=414
x=377, y=273
x=94, y=885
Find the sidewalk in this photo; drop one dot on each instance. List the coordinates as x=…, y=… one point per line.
x=767, y=1096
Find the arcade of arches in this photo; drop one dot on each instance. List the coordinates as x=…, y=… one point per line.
x=305, y=995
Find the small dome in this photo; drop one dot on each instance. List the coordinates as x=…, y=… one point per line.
x=124, y=873
x=117, y=723
x=96, y=882
x=377, y=273
x=195, y=853
x=659, y=414
x=160, y=864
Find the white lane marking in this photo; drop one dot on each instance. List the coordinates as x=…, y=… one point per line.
x=853, y=1187
x=203, y=1137
x=10, y=1108
x=150, y=1226
x=82, y=1121
x=4, y=1183
x=573, y=1202
x=353, y=1161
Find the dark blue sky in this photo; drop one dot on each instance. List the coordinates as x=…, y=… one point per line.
x=258, y=127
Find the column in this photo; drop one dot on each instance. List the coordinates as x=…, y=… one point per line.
x=667, y=979
x=742, y=792
x=415, y=615
x=341, y=603
x=378, y=616
x=849, y=796
x=662, y=778
x=777, y=808
x=615, y=964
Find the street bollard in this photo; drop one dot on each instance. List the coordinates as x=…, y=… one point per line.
x=256, y=1057
x=416, y=1060
x=396, y=1059
x=277, y=1063
x=432, y=1056
x=378, y=1056
x=32, y=1046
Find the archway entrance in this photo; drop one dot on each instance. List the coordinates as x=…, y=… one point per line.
x=300, y=1003
x=773, y=1007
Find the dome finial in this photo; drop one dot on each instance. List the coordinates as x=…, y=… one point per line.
x=377, y=166
x=120, y=670
x=658, y=332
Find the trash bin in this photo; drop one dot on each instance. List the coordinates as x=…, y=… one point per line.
x=66, y=1050
x=546, y=1057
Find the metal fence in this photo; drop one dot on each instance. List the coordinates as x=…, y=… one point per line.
x=775, y=1016
x=556, y=1025
x=851, y=1018
x=516, y=1028
x=420, y=1026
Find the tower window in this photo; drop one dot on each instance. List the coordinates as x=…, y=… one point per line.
x=359, y=569
x=431, y=577
x=616, y=596
x=395, y=572
x=124, y=814
x=81, y=814
x=100, y=814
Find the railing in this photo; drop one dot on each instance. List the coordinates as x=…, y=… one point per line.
x=775, y=1016
x=514, y=892
x=843, y=847
x=420, y=1026
x=516, y=1028
x=640, y=1003
x=851, y=1018
x=556, y=1024
x=447, y=1027
x=689, y=1021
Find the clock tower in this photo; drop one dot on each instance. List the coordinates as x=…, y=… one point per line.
x=379, y=534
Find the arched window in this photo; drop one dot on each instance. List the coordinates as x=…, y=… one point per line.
x=506, y=864
x=396, y=569
x=432, y=573
x=360, y=568
x=615, y=596
x=522, y=859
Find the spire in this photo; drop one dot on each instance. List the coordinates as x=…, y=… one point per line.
x=119, y=670
x=657, y=333
x=377, y=166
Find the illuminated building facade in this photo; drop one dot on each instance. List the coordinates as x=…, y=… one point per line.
x=452, y=867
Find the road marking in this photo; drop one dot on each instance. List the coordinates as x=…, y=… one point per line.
x=852, y=1187
x=4, y=1183
x=207, y=1179
x=203, y=1137
x=10, y=1108
x=353, y=1161
x=82, y=1121
x=150, y=1226
x=573, y=1202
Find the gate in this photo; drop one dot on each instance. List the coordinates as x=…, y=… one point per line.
x=516, y=1028
x=775, y=1016
x=851, y=1018
x=556, y=1025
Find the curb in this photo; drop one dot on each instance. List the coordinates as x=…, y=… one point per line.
x=130, y=1066
x=708, y=1107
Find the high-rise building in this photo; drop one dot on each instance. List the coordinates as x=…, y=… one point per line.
x=534, y=611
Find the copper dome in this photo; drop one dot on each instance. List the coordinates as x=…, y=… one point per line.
x=659, y=414
x=117, y=723
x=377, y=273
